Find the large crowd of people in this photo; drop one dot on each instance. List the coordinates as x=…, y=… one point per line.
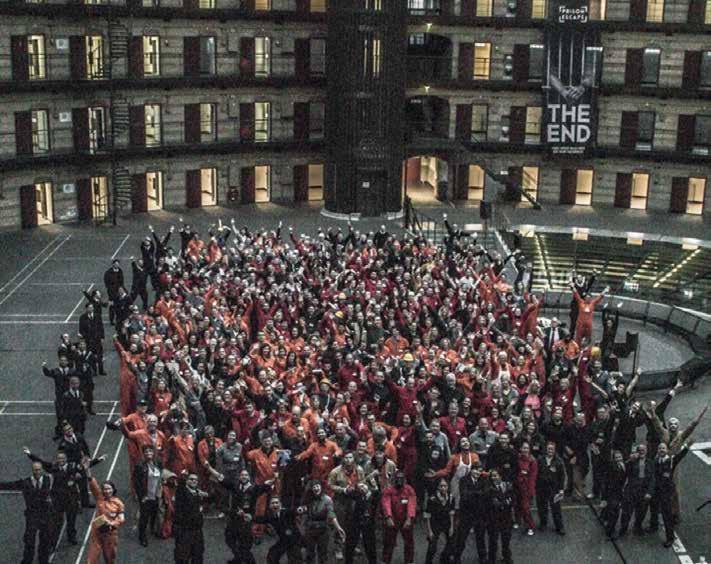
x=326, y=394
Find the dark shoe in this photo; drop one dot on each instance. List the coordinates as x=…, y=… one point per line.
x=88, y=505
x=91, y=412
x=144, y=542
x=73, y=541
x=561, y=532
x=668, y=543
x=102, y=373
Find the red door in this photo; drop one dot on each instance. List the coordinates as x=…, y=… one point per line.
x=246, y=60
x=135, y=57
x=84, y=198
x=28, y=206
x=192, y=123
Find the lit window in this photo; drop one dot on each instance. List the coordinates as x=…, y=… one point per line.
x=584, y=187
x=707, y=13
x=208, y=123
x=97, y=128
x=261, y=121
x=482, y=61
x=538, y=9
x=207, y=55
x=645, y=130
x=151, y=55
x=377, y=57
x=262, y=56
x=640, y=191
x=476, y=183
x=655, y=11
x=37, y=57
x=153, y=124
x=315, y=182
x=375, y=5
x=533, y=124
x=45, y=203
x=695, y=198
x=94, y=57
x=484, y=8
x=262, y=183
x=99, y=197
x=40, y=132
x=705, y=70
x=206, y=4
x=263, y=5
x=480, y=119
x=208, y=187
x=529, y=181
x=318, y=5
x=154, y=190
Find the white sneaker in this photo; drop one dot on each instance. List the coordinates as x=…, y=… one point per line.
x=529, y=532
x=515, y=525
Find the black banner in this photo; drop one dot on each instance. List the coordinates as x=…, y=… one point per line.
x=573, y=65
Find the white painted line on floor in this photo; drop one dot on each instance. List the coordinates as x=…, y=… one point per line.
x=96, y=451
x=35, y=269
x=108, y=477
x=76, y=307
x=31, y=315
x=4, y=405
x=58, y=283
x=23, y=413
x=28, y=264
x=685, y=559
x=698, y=450
x=31, y=322
x=10, y=402
x=119, y=247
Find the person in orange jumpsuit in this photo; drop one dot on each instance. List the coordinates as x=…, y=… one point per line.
x=264, y=462
x=321, y=453
x=127, y=379
x=586, y=310
x=180, y=455
x=399, y=506
x=207, y=457
x=108, y=518
x=133, y=422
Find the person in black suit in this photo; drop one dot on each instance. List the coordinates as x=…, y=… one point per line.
x=37, y=491
x=65, y=491
x=113, y=280
x=85, y=368
x=76, y=449
x=549, y=488
x=551, y=335
x=61, y=376
x=66, y=348
x=639, y=489
x=91, y=329
x=188, y=521
x=500, y=517
x=148, y=484
x=73, y=408
x=472, y=507
x=139, y=280
x=664, y=468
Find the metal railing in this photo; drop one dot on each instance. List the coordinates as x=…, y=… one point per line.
x=421, y=224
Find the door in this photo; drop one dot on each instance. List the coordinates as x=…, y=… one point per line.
x=208, y=187
x=139, y=197
x=301, y=121
x=135, y=57
x=20, y=58
x=84, y=198
x=137, y=126
x=371, y=192
x=568, y=186
x=23, y=133
x=302, y=56
x=521, y=58
x=466, y=61
x=623, y=190
x=77, y=57
x=191, y=56
x=248, y=184
x=463, y=124
x=28, y=206
x=192, y=123
x=517, y=124
x=301, y=183
x=679, y=194
x=193, y=187
x=246, y=122
x=80, y=129
x=246, y=61
x=99, y=197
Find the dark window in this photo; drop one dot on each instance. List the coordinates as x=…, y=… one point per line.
x=317, y=112
x=207, y=55
x=645, y=130
x=535, y=62
x=702, y=132
x=480, y=121
x=650, y=67
x=317, y=57
x=705, y=72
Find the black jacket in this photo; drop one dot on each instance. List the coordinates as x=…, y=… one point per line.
x=501, y=505
x=61, y=379
x=664, y=471
x=113, y=280
x=38, y=501
x=505, y=460
x=92, y=329
x=74, y=449
x=550, y=477
x=474, y=497
x=637, y=485
x=140, y=478
x=73, y=409
x=187, y=507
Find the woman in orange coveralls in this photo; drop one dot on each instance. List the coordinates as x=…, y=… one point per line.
x=104, y=527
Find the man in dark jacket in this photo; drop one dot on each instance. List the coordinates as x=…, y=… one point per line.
x=503, y=457
x=76, y=448
x=61, y=376
x=73, y=409
x=188, y=521
x=37, y=491
x=85, y=367
x=549, y=488
x=473, y=506
x=639, y=489
x=91, y=329
x=148, y=485
x=664, y=468
x=113, y=280
x=500, y=517
x=289, y=537
x=139, y=280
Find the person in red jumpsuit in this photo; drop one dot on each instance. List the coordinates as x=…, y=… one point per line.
x=399, y=506
x=525, y=487
x=586, y=310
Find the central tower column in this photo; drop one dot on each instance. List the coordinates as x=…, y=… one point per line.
x=365, y=133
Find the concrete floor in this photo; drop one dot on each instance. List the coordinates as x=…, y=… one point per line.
x=41, y=276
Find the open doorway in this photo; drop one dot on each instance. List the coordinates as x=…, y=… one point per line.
x=426, y=179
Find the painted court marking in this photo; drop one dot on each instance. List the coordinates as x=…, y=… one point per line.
x=699, y=448
x=35, y=269
x=76, y=307
x=29, y=264
x=120, y=246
